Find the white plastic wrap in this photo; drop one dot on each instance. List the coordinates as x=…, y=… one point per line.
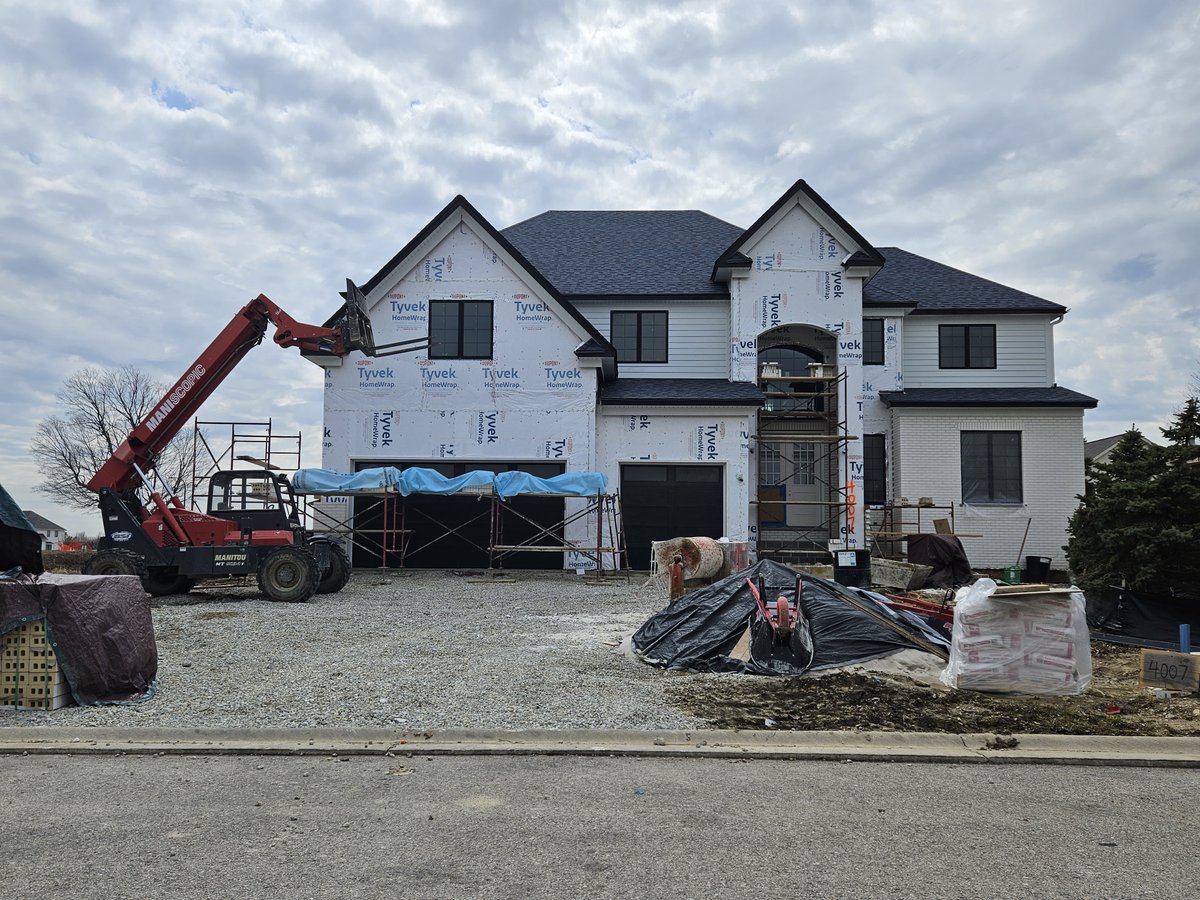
x=1028, y=643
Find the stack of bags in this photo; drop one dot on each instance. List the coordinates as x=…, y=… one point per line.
x=1034, y=643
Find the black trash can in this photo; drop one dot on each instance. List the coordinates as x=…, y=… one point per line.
x=1037, y=569
x=852, y=568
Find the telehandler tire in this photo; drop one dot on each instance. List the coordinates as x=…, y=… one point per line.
x=337, y=576
x=115, y=562
x=289, y=575
x=161, y=583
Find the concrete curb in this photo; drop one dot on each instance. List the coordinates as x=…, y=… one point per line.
x=1173, y=752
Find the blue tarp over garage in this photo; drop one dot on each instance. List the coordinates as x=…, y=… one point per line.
x=417, y=480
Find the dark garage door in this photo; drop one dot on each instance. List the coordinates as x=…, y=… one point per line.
x=429, y=517
x=659, y=502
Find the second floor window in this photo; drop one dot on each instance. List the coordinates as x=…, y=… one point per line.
x=872, y=342
x=460, y=329
x=639, y=337
x=966, y=346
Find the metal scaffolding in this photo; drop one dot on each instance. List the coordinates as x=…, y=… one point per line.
x=383, y=527
x=805, y=410
x=221, y=445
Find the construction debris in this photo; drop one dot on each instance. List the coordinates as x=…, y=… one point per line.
x=892, y=573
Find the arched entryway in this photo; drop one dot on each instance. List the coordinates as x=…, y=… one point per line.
x=798, y=444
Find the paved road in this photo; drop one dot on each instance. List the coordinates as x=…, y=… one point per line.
x=531, y=826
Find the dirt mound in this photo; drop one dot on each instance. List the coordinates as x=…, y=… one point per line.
x=842, y=701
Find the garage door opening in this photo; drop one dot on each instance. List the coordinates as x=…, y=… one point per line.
x=453, y=531
x=660, y=502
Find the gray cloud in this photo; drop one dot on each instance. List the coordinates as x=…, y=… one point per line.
x=1047, y=146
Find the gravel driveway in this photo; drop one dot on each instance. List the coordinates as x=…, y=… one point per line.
x=405, y=649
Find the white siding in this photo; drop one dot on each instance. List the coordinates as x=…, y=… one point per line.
x=1024, y=352
x=697, y=336
x=927, y=463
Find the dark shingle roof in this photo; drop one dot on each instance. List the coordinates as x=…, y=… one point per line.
x=936, y=288
x=625, y=253
x=1000, y=396
x=1096, y=447
x=40, y=523
x=680, y=392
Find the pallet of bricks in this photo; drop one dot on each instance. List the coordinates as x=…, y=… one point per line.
x=30, y=677
x=1030, y=639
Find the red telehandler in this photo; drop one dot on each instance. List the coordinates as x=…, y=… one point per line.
x=252, y=525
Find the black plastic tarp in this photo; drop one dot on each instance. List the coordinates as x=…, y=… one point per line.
x=699, y=630
x=1149, y=620
x=99, y=626
x=20, y=543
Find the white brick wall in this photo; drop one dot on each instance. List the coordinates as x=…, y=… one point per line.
x=925, y=462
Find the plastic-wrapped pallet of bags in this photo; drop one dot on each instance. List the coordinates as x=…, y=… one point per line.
x=1029, y=643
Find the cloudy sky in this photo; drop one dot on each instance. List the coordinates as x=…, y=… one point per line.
x=163, y=163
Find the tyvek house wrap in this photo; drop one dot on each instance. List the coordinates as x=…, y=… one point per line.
x=534, y=400
x=677, y=435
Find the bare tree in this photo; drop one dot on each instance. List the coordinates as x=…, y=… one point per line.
x=101, y=407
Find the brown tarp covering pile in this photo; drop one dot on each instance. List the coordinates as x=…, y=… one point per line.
x=99, y=626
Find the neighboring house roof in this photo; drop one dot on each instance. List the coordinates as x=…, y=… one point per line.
x=41, y=523
x=1099, y=448
x=1001, y=396
x=623, y=253
x=937, y=289
x=681, y=392
x=1092, y=449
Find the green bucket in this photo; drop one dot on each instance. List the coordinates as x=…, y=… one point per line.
x=1012, y=575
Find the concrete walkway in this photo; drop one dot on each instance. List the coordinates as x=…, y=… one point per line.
x=1174, y=752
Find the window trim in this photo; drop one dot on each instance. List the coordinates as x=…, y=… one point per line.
x=461, y=304
x=882, y=355
x=639, y=313
x=991, y=500
x=966, y=339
